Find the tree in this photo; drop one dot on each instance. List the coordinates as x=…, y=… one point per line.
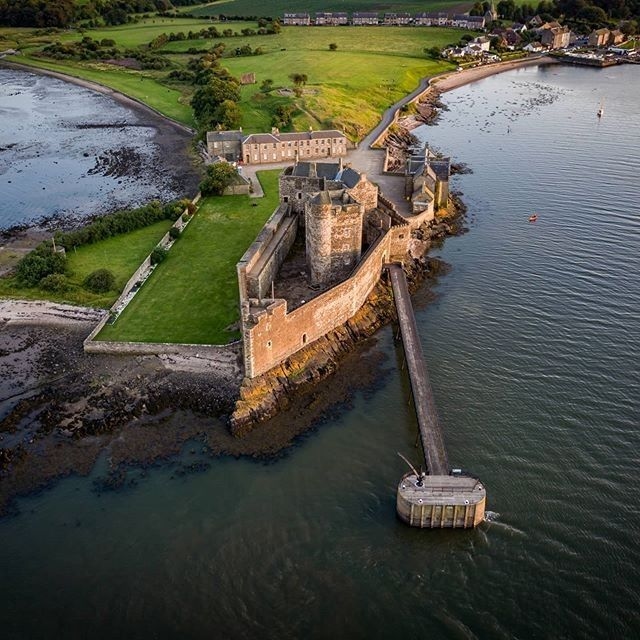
x=333, y=46
x=227, y=115
x=629, y=27
x=219, y=176
x=433, y=52
x=298, y=79
x=282, y=116
x=208, y=98
x=158, y=255
x=267, y=85
x=38, y=264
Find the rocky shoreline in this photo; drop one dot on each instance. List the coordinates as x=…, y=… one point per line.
x=64, y=409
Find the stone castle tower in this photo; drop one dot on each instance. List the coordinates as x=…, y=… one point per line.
x=333, y=235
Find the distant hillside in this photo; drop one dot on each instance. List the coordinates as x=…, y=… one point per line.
x=277, y=8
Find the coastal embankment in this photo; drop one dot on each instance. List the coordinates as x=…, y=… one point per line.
x=64, y=408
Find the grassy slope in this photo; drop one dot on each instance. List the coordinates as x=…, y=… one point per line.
x=122, y=255
x=140, y=85
x=348, y=88
x=372, y=68
x=192, y=296
x=146, y=86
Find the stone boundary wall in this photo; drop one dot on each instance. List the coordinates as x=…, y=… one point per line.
x=91, y=345
x=211, y=352
x=261, y=261
x=276, y=334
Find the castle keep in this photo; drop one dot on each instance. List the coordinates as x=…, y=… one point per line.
x=321, y=253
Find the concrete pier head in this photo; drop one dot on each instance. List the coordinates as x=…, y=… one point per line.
x=441, y=502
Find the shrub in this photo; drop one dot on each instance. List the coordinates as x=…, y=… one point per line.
x=333, y=46
x=100, y=281
x=174, y=233
x=55, y=282
x=158, y=255
x=38, y=264
x=219, y=176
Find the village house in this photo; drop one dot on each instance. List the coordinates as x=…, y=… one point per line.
x=534, y=47
x=512, y=38
x=370, y=18
x=361, y=18
x=264, y=148
x=616, y=37
x=296, y=19
x=599, y=38
x=332, y=19
x=556, y=37
x=396, y=19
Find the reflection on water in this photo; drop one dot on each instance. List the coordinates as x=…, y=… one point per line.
x=65, y=150
x=532, y=344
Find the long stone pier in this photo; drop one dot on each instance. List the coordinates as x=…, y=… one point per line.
x=438, y=497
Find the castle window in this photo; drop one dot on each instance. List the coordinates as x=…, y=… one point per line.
x=285, y=198
x=269, y=344
x=304, y=338
x=299, y=195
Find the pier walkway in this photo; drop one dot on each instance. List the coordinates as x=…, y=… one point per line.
x=435, y=454
x=444, y=498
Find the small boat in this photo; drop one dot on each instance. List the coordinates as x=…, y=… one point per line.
x=601, y=109
x=533, y=217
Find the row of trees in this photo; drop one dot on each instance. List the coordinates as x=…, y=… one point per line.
x=62, y=13
x=89, y=49
x=46, y=267
x=593, y=11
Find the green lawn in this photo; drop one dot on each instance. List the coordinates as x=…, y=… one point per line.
x=192, y=297
x=121, y=254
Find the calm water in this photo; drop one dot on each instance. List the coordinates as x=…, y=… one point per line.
x=532, y=345
x=51, y=136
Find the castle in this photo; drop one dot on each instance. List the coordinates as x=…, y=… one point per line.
x=322, y=251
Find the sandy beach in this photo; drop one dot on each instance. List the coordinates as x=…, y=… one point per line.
x=427, y=103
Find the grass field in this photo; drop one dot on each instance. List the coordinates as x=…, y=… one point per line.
x=121, y=254
x=372, y=68
x=192, y=297
x=277, y=8
x=349, y=88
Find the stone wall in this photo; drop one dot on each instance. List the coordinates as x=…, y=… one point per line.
x=125, y=297
x=365, y=192
x=271, y=334
x=259, y=265
x=298, y=190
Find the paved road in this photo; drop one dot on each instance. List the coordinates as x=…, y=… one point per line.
x=363, y=158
